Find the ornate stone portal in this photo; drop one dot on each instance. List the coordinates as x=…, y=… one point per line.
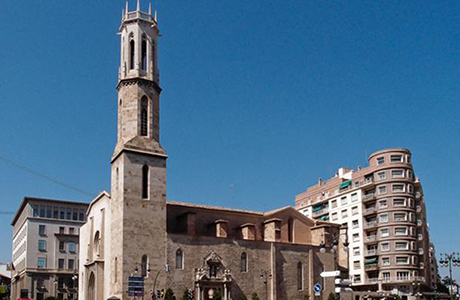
x=212, y=279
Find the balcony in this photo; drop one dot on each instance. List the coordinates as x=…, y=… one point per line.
x=371, y=252
x=320, y=212
x=403, y=279
x=370, y=225
x=368, y=181
x=373, y=280
x=368, y=197
x=370, y=238
x=369, y=211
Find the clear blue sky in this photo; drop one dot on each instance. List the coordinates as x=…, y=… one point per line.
x=263, y=95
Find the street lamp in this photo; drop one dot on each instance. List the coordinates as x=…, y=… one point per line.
x=452, y=258
x=166, y=268
x=265, y=276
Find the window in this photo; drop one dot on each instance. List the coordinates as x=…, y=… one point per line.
x=49, y=211
x=334, y=216
x=402, y=260
x=72, y=247
x=42, y=211
x=410, y=188
x=61, y=246
x=401, y=231
x=75, y=215
x=385, y=246
x=357, y=278
x=144, y=266
x=179, y=259
x=41, y=262
x=355, y=224
x=385, y=261
x=383, y=203
x=62, y=213
x=61, y=230
x=356, y=265
x=41, y=230
x=356, y=237
x=344, y=201
x=131, y=54
x=354, y=211
x=382, y=175
x=399, y=202
x=69, y=214
x=354, y=197
x=71, y=230
x=81, y=215
x=384, y=232
x=401, y=246
x=398, y=188
x=396, y=158
x=382, y=189
x=380, y=160
x=356, y=251
x=144, y=54
x=61, y=263
x=356, y=184
x=399, y=217
x=334, y=203
x=402, y=275
x=397, y=173
x=299, y=276
x=71, y=264
x=244, y=262
x=386, y=276
x=60, y=296
x=384, y=218
x=41, y=245
x=35, y=211
x=144, y=119
x=56, y=212
x=145, y=182
x=344, y=213
x=290, y=231
x=60, y=283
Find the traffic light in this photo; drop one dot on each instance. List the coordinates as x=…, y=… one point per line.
x=190, y=295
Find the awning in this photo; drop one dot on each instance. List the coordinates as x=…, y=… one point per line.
x=317, y=208
x=325, y=218
x=345, y=184
x=371, y=261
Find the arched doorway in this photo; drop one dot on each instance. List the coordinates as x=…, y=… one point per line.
x=92, y=287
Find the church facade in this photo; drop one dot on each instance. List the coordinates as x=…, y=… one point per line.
x=218, y=253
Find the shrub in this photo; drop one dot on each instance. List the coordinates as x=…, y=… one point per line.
x=169, y=295
x=254, y=296
x=331, y=296
x=242, y=297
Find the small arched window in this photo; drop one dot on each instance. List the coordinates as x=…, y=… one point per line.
x=115, y=277
x=290, y=231
x=144, y=54
x=244, y=262
x=299, y=276
x=145, y=182
x=131, y=54
x=144, y=266
x=179, y=259
x=97, y=244
x=144, y=119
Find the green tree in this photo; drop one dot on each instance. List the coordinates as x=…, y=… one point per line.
x=331, y=296
x=169, y=295
x=254, y=296
x=185, y=295
x=217, y=296
x=242, y=297
x=306, y=296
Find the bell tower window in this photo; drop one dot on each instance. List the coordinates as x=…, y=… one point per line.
x=131, y=54
x=144, y=55
x=145, y=182
x=144, y=109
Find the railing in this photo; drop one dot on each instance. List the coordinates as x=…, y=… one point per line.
x=321, y=211
x=369, y=197
x=371, y=238
x=138, y=15
x=368, y=181
x=398, y=279
x=371, y=224
x=371, y=266
x=369, y=210
x=371, y=252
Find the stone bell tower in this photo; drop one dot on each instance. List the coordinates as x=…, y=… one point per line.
x=138, y=185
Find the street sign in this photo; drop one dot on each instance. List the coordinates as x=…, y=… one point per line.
x=317, y=287
x=330, y=274
x=135, y=286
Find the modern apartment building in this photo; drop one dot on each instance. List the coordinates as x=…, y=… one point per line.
x=384, y=209
x=45, y=248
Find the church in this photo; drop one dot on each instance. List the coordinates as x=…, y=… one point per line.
x=218, y=253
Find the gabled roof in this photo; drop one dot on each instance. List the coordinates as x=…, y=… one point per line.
x=99, y=197
x=26, y=199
